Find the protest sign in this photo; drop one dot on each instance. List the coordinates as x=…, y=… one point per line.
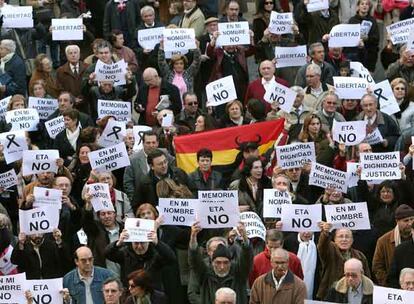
x=179, y=39
x=23, y=119
x=121, y=110
x=290, y=56
x=100, y=197
x=149, y=38
x=410, y=41
x=399, y=31
x=233, y=33
x=8, y=179
x=3, y=105
x=317, y=5
x=366, y=26
x=137, y=131
x=375, y=137
x=384, y=295
x=46, y=290
x=12, y=288
x=114, y=72
x=6, y=266
x=82, y=237
x=67, y=29
x=44, y=106
x=55, y=126
x=176, y=211
x=326, y=177
x=138, y=229
x=168, y=55
x=387, y=102
x=353, y=216
x=273, y=201
x=280, y=94
x=358, y=70
x=295, y=155
x=109, y=159
x=345, y=35
x=38, y=220
x=349, y=133
x=350, y=87
x=380, y=166
x=218, y=209
x=37, y=161
x=167, y=120
x=221, y=91
x=317, y=302
x=114, y=133
x=14, y=143
x=353, y=177
x=253, y=224
x=47, y=197
x=17, y=16
x=280, y=23
x=300, y=218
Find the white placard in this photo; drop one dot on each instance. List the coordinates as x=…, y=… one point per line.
x=384, y=295
x=38, y=161
x=375, y=137
x=179, y=39
x=67, y=29
x=100, y=197
x=290, y=56
x=114, y=72
x=221, y=91
x=273, y=201
x=353, y=177
x=149, y=38
x=317, y=302
x=218, y=209
x=350, y=87
x=46, y=291
x=353, y=216
x=82, y=237
x=55, y=126
x=39, y=220
x=17, y=16
x=109, y=159
x=177, y=211
x=345, y=35
x=254, y=225
x=168, y=55
x=114, y=133
x=300, y=218
x=6, y=266
x=47, y=197
x=14, y=143
x=295, y=155
x=317, y=5
x=410, y=41
x=280, y=23
x=399, y=31
x=326, y=177
x=8, y=179
x=16, y=284
x=138, y=229
x=136, y=130
x=280, y=94
x=44, y=106
x=358, y=70
x=388, y=103
x=233, y=33
x=366, y=26
x=23, y=119
x=3, y=105
x=349, y=133
x=121, y=110
x=385, y=166
x=167, y=120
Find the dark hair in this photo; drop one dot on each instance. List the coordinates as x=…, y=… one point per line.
x=257, y=109
x=226, y=5
x=104, y=44
x=209, y=123
x=101, y=123
x=114, y=33
x=274, y=235
x=71, y=113
x=188, y=93
x=390, y=185
x=154, y=154
x=71, y=96
x=88, y=135
x=248, y=165
x=204, y=153
x=261, y=4
x=148, y=133
x=113, y=279
x=142, y=279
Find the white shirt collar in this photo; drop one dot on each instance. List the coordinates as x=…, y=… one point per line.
x=265, y=82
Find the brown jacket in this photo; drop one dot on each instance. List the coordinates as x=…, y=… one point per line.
x=384, y=252
x=292, y=290
x=68, y=81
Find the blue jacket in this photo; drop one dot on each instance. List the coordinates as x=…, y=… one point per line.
x=76, y=287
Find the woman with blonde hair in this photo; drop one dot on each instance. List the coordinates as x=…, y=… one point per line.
x=400, y=89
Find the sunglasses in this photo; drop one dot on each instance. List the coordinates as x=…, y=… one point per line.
x=268, y=2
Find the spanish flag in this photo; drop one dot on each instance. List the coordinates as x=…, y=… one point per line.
x=222, y=143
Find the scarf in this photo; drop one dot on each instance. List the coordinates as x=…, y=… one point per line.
x=73, y=137
x=179, y=82
x=4, y=60
x=142, y=300
x=397, y=236
x=308, y=256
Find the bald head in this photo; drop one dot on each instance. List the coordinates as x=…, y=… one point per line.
x=267, y=69
x=83, y=251
x=353, y=264
x=280, y=253
x=151, y=78
x=353, y=270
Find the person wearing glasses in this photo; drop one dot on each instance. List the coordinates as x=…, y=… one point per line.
x=407, y=279
x=328, y=113
x=188, y=115
x=141, y=289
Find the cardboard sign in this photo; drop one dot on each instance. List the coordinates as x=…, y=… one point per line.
x=384, y=166
x=280, y=23
x=67, y=29
x=273, y=201
x=388, y=103
x=358, y=70
x=345, y=35
x=8, y=179
x=399, y=31
x=13, y=288
x=383, y=295
x=290, y=56
x=114, y=133
x=295, y=155
x=350, y=87
x=149, y=38
x=55, y=126
x=38, y=220
x=375, y=137
x=109, y=159
x=114, y=72
x=317, y=5
x=23, y=119
x=221, y=91
x=179, y=39
x=3, y=105
x=17, y=16
x=121, y=110
x=301, y=218
x=46, y=291
x=326, y=177
x=233, y=33
x=353, y=216
x=101, y=198
x=136, y=130
x=282, y=95
x=176, y=211
x=47, y=197
x=353, y=177
x=218, y=209
x=350, y=133
x=254, y=225
x=37, y=161
x=14, y=143
x=44, y=106
x=138, y=229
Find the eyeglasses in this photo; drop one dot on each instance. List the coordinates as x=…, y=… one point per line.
x=269, y=2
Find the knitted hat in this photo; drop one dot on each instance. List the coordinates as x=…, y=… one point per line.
x=221, y=252
x=403, y=211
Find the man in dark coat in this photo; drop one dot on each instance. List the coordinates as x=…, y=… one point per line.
x=12, y=64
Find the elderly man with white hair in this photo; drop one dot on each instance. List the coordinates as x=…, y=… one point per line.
x=407, y=279
x=315, y=90
x=225, y=295
x=13, y=65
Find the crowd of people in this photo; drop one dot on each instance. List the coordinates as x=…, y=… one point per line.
x=181, y=264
